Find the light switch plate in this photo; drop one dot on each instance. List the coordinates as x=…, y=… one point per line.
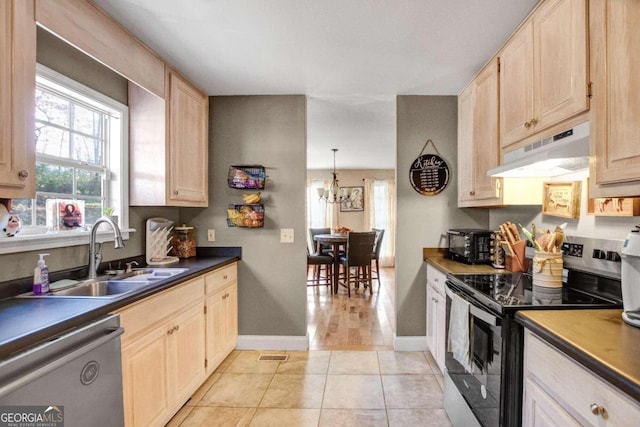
x=211, y=235
x=286, y=235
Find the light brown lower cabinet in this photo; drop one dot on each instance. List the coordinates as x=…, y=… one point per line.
x=166, y=347
x=221, y=314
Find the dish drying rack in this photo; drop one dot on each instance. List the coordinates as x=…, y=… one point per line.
x=159, y=242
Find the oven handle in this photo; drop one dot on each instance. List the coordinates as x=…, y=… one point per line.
x=474, y=310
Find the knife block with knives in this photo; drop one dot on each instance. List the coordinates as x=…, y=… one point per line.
x=514, y=248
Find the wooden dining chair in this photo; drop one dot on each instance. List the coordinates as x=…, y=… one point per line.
x=358, y=256
x=375, y=256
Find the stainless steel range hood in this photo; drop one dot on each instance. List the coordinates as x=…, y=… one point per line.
x=560, y=154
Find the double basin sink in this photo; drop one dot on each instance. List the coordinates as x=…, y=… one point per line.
x=112, y=287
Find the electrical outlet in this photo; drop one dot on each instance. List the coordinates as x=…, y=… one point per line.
x=211, y=235
x=286, y=235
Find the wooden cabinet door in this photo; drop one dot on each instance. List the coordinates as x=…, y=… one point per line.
x=146, y=387
x=615, y=124
x=466, y=102
x=17, y=102
x=216, y=325
x=431, y=320
x=221, y=324
x=232, y=317
x=188, y=144
x=541, y=410
x=188, y=352
x=516, y=87
x=478, y=136
x=486, y=152
x=560, y=61
x=441, y=336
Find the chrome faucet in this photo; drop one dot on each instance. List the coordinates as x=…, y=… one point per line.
x=95, y=256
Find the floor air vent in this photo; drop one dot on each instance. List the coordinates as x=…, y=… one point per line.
x=273, y=358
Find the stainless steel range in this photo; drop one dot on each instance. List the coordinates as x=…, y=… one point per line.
x=485, y=386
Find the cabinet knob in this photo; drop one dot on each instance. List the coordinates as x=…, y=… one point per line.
x=224, y=277
x=598, y=410
x=472, y=193
x=533, y=122
x=175, y=192
x=23, y=174
x=527, y=125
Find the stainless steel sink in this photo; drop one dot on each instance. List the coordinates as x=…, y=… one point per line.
x=112, y=287
x=153, y=274
x=94, y=289
x=106, y=288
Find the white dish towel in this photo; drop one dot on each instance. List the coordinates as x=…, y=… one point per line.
x=459, y=329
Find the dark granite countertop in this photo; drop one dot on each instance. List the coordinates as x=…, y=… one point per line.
x=27, y=321
x=597, y=339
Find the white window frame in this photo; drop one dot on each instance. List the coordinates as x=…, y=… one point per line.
x=37, y=238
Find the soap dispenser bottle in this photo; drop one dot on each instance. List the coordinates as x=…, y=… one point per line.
x=41, y=277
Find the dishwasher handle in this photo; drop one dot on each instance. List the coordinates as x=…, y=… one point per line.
x=59, y=362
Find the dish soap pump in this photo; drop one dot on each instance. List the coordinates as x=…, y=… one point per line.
x=41, y=277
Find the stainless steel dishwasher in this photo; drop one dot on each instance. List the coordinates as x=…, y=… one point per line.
x=74, y=379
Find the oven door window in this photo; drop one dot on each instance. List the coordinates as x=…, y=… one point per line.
x=480, y=387
x=457, y=244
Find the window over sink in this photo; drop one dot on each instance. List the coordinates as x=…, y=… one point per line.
x=81, y=155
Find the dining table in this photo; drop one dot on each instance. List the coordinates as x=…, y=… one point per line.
x=336, y=240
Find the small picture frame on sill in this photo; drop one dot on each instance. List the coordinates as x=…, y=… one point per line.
x=354, y=200
x=562, y=199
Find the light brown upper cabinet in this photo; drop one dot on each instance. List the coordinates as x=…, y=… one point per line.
x=543, y=71
x=17, y=103
x=478, y=144
x=86, y=27
x=615, y=113
x=169, y=145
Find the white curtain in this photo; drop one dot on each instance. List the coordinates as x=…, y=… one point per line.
x=320, y=214
x=380, y=212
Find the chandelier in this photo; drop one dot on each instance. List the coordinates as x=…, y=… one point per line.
x=333, y=194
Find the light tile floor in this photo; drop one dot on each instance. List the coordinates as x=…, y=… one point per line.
x=320, y=388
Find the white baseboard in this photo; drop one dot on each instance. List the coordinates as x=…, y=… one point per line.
x=410, y=343
x=272, y=342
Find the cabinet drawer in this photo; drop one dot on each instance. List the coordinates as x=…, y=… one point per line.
x=142, y=314
x=436, y=278
x=220, y=278
x=574, y=387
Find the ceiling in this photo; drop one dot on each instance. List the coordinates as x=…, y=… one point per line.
x=351, y=58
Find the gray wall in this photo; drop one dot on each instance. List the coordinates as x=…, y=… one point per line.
x=270, y=131
x=422, y=220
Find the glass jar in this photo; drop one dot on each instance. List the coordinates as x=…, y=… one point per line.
x=184, y=241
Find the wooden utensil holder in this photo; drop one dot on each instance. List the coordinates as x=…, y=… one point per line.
x=515, y=261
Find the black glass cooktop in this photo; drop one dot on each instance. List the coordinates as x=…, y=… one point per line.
x=511, y=291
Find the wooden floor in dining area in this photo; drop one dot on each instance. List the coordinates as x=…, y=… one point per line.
x=363, y=322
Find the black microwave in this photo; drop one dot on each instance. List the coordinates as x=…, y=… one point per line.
x=470, y=245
